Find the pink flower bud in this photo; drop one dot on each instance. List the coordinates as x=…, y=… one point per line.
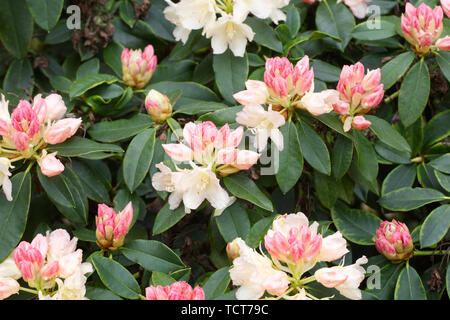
x=21, y=140
x=138, y=67
x=158, y=106
x=178, y=151
x=246, y=159
x=227, y=156
x=50, y=165
x=50, y=270
x=256, y=93
x=61, y=130
x=56, y=107
x=176, y=291
x=371, y=80
x=111, y=227
x=341, y=107
x=443, y=44
x=40, y=108
x=394, y=241
x=8, y=287
x=360, y=123
x=28, y=259
x=446, y=7
x=24, y=119
x=221, y=140
x=373, y=98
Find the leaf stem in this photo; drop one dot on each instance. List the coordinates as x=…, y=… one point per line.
x=429, y=253
x=29, y=290
x=392, y=97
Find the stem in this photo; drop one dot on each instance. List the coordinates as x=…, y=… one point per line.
x=392, y=97
x=142, y=297
x=429, y=253
x=29, y=290
x=307, y=280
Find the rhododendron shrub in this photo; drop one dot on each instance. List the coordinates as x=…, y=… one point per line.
x=224, y=149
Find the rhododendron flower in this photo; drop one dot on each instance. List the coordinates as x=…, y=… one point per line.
x=5, y=183
x=9, y=269
x=49, y=109
x=422, y=26
x=50, y=165
x=111, y=227
x=138, y=67
x=358, y=94
x=61, y=130
x=8, y=287
x=394, y=241
x=158, y=106
x=264, y=124
x=318, y=103
x=446, y=7
x=270, y=9
x=256, y=93
x=254, y=274
x=443, y=44
x=229, y=31
x=179, y=290
x=358, y=7
x=345, y=279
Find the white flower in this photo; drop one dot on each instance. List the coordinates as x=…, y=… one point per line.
x=270, y=9
x=264, y=124
x=189, y=15
x=62, y=249
x=333, y=247
x=358, y=7
x=5, y=183
x=345, y=279
x=318, y=103
x=254, y=274
x=229, y=31
x=4, y=112
x=73, y=287
x=9, y=269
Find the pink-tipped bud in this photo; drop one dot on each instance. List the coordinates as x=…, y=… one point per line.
x=360, y=123
x=111, y=227
x=24, y=119
x=179, y=290
x=443, y=44
x=40, y=108
x=178, y=151
x=233, y=248
x=394, y=241
x=8, y=287
x=371, y=80
x=50, y=165
x=28, y=259
x=158, y=106
x=56, y=107
x=445, y=4
x=61, y=130
x=341, y=107
x=246, y=159
x=138, y=67
x=50, y=270
x=21, y=140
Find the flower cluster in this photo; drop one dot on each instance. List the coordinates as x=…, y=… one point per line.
x=27, y=132
x=358, y=94
x=43, y=263
x=394, y=241
x=138, y=67
x=294, y=247
x=179, y=290
x=221, y=20
x=422, y=28
x=215, y=152
x=111, y=227
x=285, y=88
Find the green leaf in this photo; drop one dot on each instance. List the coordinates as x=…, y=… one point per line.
x=111, y=56
x=325, y=71
x=222, y=116
x=46, y=13
x=14, y=214
x=16, y=28
x=313, y=148
x=388, y=275
x=392, y=71
x=391, y=154
x=19, y=75
x=230, y=73
x=435, y=226
x=191, y=91
x=217, y=283
x=166, y=218
x=94, y=176
x=337, y=20
x=414, y=93
x=161, y=279
x=116, y=278
x=441, y=163
x=126, y=12
x=437, y=128
x=264, y=34
x=443, y=59
x=409, y=286
x=244, y=188
x=386, y=133
x=138, y=158
x=356, y=225
x=58, y=189
x=341, y=156
x=367, y=159
x=179, y=71
x=199, y=107
x=291, y=159
x=88, y=68
x=407, y=199
x=77, y=146
x=365, y=31
x=293, y=20
x=258, y=231
x=402, y=176
x=112, y=131
x=233, y=222
x=447, y=281
x=82, y=85
x=327, y=189
x=96, y=293
x=444, y=180
x=152, y=255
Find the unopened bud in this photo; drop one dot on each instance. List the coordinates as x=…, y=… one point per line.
x=394, y=241
x=158, y=106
